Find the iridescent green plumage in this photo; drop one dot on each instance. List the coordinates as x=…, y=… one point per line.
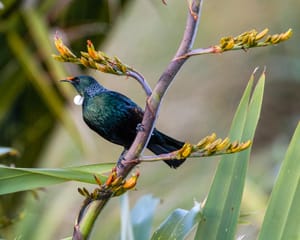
x=115, y=117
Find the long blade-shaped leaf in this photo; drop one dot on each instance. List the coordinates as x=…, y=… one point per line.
x=39, y=79
x=126, y=225
x=282, y=219
x=21, y=179
x=179, y=224
x=165, y=230
x=142, y=216
x=221, y=210
x=187, y=223
x=40, y=33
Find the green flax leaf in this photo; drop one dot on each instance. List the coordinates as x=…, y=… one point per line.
x=39, y=79
x=165, y=230
x=221, y=211
x=282, y=219
x=178, y=224
x=21, y=179
x=39, y=31
x=126, y=225
x=142, y=216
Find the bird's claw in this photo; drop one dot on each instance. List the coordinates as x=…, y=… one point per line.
x=140, y=127
x=120, y=163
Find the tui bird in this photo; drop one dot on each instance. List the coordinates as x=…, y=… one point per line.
x=116, y=118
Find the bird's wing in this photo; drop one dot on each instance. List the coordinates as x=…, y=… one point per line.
x=130, y=115
x=113, y=116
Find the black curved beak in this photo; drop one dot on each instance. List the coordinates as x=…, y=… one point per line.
x=66, y=80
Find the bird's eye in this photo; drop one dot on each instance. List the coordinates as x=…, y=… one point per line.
x=76, y=79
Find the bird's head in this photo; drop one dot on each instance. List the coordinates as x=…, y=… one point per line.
x=84, y=84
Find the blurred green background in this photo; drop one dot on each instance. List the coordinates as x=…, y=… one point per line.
x=39, y=119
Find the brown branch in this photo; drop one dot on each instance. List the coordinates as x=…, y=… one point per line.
x=206, y=147
x=137, y=76
x=92, y=209
x=244, y=41
x=153, y=104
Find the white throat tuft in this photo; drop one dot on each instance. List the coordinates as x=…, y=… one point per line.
x=78, y=100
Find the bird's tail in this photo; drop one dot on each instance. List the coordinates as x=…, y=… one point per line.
x=160, y=143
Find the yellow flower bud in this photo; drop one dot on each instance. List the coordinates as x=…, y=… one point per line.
x=223, y=145
x=112, y=176
x=119, y=191
x=98, y=180
x=262, y=34
x=91, y=50
x=62, y=49
x=131, y=182
x=245, y=145
x=275, y=38
x=84, y=54
x=84, y=62
x=185, y=151
x=287, y=35
x=58, y=58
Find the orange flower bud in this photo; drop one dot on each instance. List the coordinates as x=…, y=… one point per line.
x=131, y=182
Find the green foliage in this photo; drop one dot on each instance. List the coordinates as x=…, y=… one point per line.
x=38, y=77
x=29, y=84
x=27, y=68
x=218, y=218
x=21, y=179
x=221, y=211
x=178, y=224
x=31, y=102
x=283, y=213
x=142, y=217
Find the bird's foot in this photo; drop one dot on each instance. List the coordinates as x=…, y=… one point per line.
x=120, y=163
x=122, y=159
x=140, y=127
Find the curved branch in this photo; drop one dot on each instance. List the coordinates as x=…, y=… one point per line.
x=244, y=41
x=136, y=75
x=153, y=103
x=84, y=221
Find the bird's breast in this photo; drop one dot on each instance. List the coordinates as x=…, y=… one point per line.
x=104, y=116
